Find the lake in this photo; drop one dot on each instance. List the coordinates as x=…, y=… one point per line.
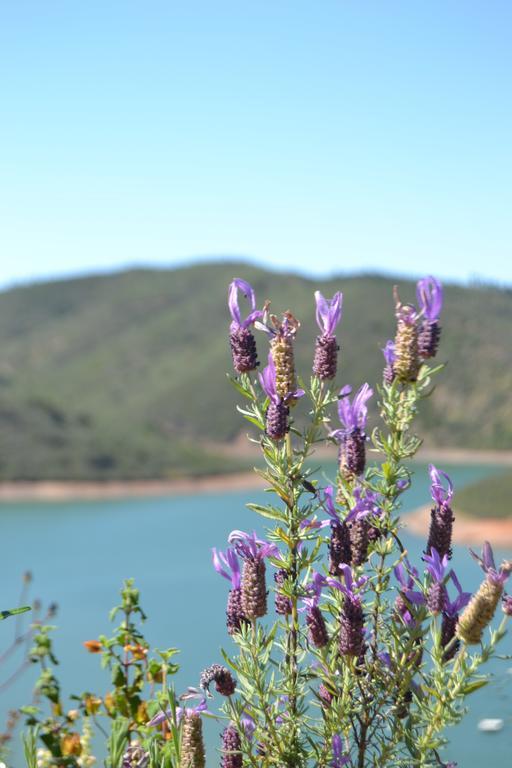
x=80, y=552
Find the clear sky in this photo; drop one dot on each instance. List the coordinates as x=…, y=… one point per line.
x=327, y=135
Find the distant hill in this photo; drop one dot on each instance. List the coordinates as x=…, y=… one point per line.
x=490, y=497
x=123, y=375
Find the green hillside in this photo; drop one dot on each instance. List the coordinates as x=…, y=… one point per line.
x=490, y=497
x=123, y=375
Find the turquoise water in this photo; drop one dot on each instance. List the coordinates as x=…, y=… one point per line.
x=81, y=551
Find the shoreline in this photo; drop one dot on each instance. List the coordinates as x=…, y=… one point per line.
x=466, y=530
x=47, y=490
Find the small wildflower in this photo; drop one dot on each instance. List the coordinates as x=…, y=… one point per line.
x=70, y=745
x=135, y=756
x=328, y=315
x=93, y=646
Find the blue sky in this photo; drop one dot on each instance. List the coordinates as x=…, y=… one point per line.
x=324, y=136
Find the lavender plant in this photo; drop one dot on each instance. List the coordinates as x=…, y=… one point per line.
x=361, y=659
x=367, y=659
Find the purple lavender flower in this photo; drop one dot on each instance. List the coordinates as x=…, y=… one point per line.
x=389, y=357
x=408, y=597
x=231, y=748
x=482, y=606
x=365, y=506
x=317, y=629
x=351, y=637
x=339, y=544
x=450, y=619
x=339, y=758
x=253, y=586
x=225, y=683
x=352, y=453
x=441, y=516
x=228, y=566
x=437, y=595
x=276, y=417
x=282, y=602
x=328, y=315
x=243, y=345
x=429, y=294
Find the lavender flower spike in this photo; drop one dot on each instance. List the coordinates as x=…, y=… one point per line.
x=450, y=619
x=328, y=315
x=253, y=586
x=243, y=345
x=276, y=417
x=437, y=596
x=317, y=630
x=429, y=293
x=229, y=567
x=351, y=638
x=441, y=516
x=482, y=606
x=352, y=453
x=339, y=545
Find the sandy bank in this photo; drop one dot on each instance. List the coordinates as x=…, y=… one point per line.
x=466, y=530
x=64, y=491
